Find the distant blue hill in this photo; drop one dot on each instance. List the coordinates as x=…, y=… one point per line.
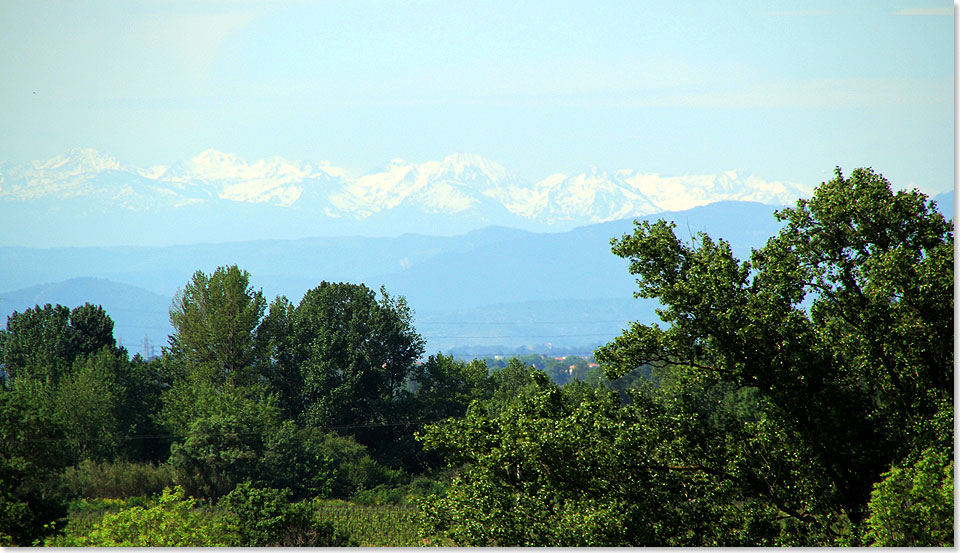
x=494, y=286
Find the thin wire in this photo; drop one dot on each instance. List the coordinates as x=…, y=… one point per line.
x=175, y=436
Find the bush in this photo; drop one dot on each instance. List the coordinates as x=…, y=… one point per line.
x=297, y=459
x=172, y=522
x=116, y=479
x=265, y=517
x=353, y=468
x=218, y=452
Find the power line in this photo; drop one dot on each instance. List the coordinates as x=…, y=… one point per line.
x=172, y=436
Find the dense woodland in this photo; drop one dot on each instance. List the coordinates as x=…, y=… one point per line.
x=801, y=397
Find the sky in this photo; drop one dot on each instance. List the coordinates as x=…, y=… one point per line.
x=783, y=90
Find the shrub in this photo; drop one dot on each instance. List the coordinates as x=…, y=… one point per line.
x=218, y=452
x=297, y=459
x=264, y=517
x=172, y=522
x=403, y=494
x=351, y=466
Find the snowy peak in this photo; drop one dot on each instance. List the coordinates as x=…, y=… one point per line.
x=207, y=165
x=457, y=183
x=276, y=180
x=590, y=197
x=78, y=161
x=689, y=191
x=461, y=186
x=474, y=167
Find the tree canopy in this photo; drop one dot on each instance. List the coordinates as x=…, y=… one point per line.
x=215, y=320
x=789, y=385
x=354, y=353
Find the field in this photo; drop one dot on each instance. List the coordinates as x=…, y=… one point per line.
x=378, y=525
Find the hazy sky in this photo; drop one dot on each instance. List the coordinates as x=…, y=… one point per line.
x=784, y=90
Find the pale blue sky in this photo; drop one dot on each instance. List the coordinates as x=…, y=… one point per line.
x=784, y=90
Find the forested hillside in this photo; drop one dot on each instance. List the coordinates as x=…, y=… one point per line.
x=800, y=396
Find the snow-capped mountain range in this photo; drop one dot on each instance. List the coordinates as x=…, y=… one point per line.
x=457, y=194
x=458, y=183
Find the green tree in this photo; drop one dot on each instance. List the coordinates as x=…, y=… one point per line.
x=222, y=435
x=354, y=353
x=850, y=385
x=445, y=386
x=573, y=467
x=215, y=319
x=913, y=506
x=44, y=342
x=275, y=356
x=440, y=387
x=26, y=507
x=143, y=383
x=786, y=387
x=219, y=452
x=298, y=459
x=511, y=382
x=88, y=404
x=92, y=330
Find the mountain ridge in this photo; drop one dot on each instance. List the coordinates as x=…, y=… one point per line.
x=78, y=193
x=478, y=288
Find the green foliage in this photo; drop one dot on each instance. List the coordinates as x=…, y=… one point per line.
x=445, y=386
x=785, y=386
x=92, y=330
x=511, y=382
x=402, y=494
x=29, y=428
x=173, y=522
x=299, y=460
x=275, y=356
x=223, y=432
x=353, y=467
x=142, y=383
x=265, y=517
x=87, y=405
x=75, y=393
x=354, y=352
x=913, y=505
x=849, y=385
x=215, y=319
x=555, y=469
x=219, y=452
x=194, y=397
x=115, y=479
x=26, y=508
x=43, y=342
